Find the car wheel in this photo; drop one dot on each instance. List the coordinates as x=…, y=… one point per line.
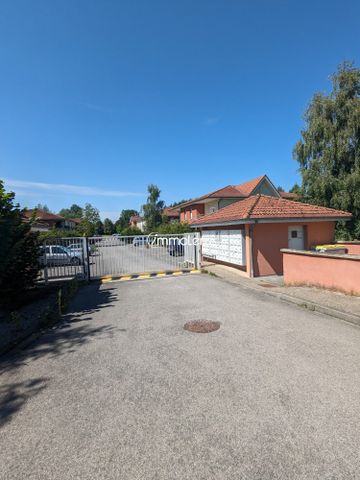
x=75, y=261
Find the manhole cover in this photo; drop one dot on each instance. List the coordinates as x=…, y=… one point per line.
x=202, y=326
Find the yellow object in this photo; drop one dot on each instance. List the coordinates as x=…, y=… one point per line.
x=329, y=247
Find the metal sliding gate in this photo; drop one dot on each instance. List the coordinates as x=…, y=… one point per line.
x=96, y=257
x=151, y=253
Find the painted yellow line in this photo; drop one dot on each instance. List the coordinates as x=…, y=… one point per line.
x=145, y=275
x=106, y=280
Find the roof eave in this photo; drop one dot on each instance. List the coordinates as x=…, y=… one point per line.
x=301, y=219
x=271, y=220
x=222, y=224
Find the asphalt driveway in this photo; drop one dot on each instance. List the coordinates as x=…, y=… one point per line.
x=120, y=391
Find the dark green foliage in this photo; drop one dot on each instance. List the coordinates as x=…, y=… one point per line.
x=124, y=219
x=109, y=228
x=131, y=231
x=295, y=189
x=99, y=228
x=90, y=221
x=43, y=207
x=173, y=227
x=280, y=189
x=153, y=208
x=19, y=250
x=329, y=149
x=58, y=233
x=175, y=204
x=73, y=212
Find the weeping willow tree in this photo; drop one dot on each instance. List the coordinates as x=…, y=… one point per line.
x=329, y=149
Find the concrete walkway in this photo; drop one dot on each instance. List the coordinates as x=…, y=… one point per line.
x=345, y=307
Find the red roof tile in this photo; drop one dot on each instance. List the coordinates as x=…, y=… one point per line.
x=230, y=191
x=171, y=212
x=289, y=195
x=266, y=207
x=135, y=219
x=247, y=188
x=42, y=215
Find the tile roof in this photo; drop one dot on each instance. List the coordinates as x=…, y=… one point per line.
x=289, y=195
x=230, y=191
x=246, y=188
x=266, y=207
x=171, y=212
x=135, y=219
x=41, y=215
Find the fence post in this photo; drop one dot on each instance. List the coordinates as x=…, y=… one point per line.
x=197, y=251
x=86, y=258
x=46, y=274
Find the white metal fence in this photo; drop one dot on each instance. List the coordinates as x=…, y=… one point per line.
x=95, y=257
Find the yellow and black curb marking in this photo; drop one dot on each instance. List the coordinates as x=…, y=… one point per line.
x=141, y=276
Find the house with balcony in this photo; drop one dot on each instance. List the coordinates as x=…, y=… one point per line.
x=43, y=220
x=213, y=201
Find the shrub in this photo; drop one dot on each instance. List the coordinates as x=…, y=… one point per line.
x=173, y=227
x=19, y=250
x=131, y=231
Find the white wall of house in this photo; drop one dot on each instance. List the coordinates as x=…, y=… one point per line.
x=141, y=225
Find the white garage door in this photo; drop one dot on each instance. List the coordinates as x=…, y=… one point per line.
x=225, y=245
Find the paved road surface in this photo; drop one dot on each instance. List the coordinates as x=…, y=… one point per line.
x=120, y=391
x=118, y=260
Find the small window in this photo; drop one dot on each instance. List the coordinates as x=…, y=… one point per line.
x=294, y=234
x=191, y=214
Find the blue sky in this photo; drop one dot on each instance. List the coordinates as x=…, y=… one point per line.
x=100, y=98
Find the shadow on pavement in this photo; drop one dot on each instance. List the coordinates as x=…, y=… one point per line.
x=71, y=332
x=14, y=395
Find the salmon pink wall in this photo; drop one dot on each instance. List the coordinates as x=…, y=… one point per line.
x=320, y=233
x=352, y=248
x=270, y=238
x=197, y=209
x=341, y=273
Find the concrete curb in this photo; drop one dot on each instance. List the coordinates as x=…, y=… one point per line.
x=300, y=302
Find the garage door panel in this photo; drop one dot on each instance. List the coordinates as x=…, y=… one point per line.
x=224, y=245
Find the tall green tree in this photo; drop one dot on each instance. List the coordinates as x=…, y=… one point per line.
x=109, y=228
x=124, y=219
x=329, y=149
x=19, y=250
x=42, y=206
x=153, y=208
x=295, y=189
x=90, y=220
x=75, y=211
x=99, y=228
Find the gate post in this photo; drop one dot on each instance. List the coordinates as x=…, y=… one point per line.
x=197, y=252
x=86, y=258
x=46, y=273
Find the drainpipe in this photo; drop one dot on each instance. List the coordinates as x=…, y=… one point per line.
x=251, y=231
